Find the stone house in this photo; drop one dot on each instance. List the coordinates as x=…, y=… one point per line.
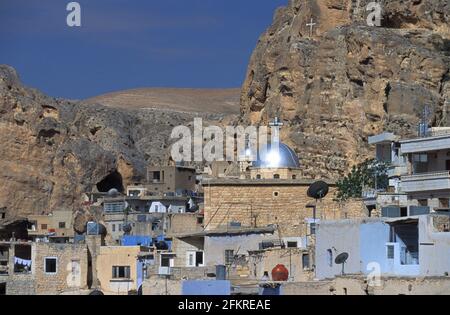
x=121, y=269
x=45, y=268
x=259, y=203
x=57, y=226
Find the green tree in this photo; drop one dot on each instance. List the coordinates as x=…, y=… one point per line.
x=369, y=174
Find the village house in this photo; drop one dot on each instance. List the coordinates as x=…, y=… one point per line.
x=419, y=178
x=284, y=203
x=43, y=268
x=122, y=269
x=415, y=246
x=175, y=179
x=56, y=226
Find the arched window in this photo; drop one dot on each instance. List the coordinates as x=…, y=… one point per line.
x=294, y=176
x=276, y=176
x=258, y=176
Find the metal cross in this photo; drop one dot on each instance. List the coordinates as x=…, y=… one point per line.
x=311, y=26
x=276, y=123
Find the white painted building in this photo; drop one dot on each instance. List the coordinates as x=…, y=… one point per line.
x=400, y=247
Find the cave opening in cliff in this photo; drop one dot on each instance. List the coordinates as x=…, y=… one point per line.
x=113, y=180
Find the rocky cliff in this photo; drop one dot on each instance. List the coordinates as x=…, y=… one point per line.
x=52, y=151
x=342, y=81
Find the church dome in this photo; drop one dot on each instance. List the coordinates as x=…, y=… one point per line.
x=284, y=158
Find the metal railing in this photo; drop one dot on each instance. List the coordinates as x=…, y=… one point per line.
x=425, y=176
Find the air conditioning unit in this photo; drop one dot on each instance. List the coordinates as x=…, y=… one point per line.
x=165, y=271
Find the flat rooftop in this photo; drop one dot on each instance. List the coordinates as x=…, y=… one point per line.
x=261, y=182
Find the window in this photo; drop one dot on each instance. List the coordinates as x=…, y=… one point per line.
x=312, y=228
x=330, y=257
x=156, y=176
x=44, y=226
x=443, y=203
x=390, y=252
x=3, y=215
x=156, y=208
x=229, y=256
x=423, y=202
x=276, y=176
x=305, y=261
x=121, y=272
x=113, y=227
x=258, y=176
x=292, y=244
x=200, y=220
x=276, y=193
x=120, y=227
x=50, y=265
x=194, y=259
x=294, y=176
x=166, y=261
x=62, y=225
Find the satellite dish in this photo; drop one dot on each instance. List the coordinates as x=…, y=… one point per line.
x=318, y=190
x=113, y=192
x=127, y=228
x=341, y=259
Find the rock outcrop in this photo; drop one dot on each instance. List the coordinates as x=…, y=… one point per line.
x=346, y=80
x=54, y=150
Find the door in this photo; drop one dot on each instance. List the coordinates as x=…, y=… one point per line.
x=190, y=259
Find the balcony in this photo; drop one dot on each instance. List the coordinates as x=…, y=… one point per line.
x=397, y=171
x=425, y=182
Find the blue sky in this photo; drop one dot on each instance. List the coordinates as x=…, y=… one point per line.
x=131, y=43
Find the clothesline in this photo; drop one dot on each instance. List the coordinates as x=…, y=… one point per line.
x=23, y=262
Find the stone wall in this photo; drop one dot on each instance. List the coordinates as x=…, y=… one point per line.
x=20, y=285
x=261, y=203
x=357, y=285
x=181, y=223
x=72, y=267
x=308, y=288
x=182, y=246
x=161, y=286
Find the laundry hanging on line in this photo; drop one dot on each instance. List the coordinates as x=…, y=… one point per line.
x=23, y=262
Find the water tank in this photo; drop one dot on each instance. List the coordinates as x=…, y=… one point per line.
x=280, y=273
x=94, y=228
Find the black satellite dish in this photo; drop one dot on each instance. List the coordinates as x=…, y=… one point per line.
x=127, y=228
x=341, y=259
x=318, y=190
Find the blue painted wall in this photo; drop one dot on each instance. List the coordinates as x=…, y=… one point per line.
x=133, y=240
x=374, y=237
x=200, y=287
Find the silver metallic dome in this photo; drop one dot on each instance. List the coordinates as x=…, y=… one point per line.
x=284, y=158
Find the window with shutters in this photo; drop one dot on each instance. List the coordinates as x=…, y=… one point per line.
x=121, y=272
x=305, y=261
x=390, y=252
x=229, y=256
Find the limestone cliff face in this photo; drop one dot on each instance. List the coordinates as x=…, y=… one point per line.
x=349, y=80
x=52, y=151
